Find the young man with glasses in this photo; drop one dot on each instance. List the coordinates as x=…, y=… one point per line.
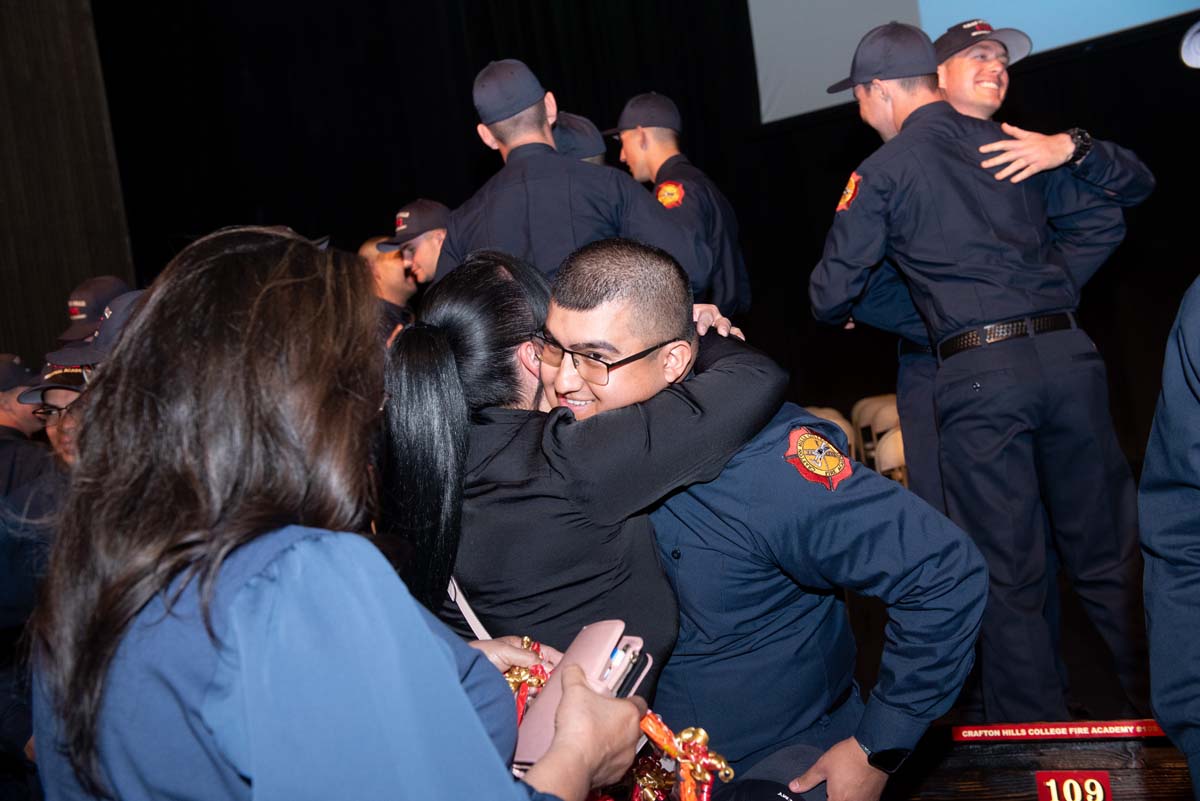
x=757, y=556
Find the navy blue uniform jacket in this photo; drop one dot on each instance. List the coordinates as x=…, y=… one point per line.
x=974, y=250
x=541, y=206
x=765, y=649
x=1115, y=174
x=1169, y=511
x=702, y=208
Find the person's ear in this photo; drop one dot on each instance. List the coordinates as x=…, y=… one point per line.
x=487, y=137
x=527, y=358
x=941, y=73
x=643, y=138
x=551, y=108
x=676, y=361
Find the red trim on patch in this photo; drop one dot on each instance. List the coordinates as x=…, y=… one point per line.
x=850, y=192
x=815, y=458
x=670, y=194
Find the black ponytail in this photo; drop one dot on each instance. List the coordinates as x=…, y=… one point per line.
x=422, y=467
x=459, y=359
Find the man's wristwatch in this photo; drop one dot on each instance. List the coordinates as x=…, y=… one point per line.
x=888, y=760
x=1083, y=145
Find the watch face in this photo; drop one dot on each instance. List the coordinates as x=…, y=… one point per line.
x=888, y=761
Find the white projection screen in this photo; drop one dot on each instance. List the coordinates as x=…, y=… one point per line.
x=802, y=46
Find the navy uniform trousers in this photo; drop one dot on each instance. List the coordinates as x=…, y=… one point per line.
x=1025, y=433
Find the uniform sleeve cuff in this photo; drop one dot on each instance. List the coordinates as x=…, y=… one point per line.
x=883, y=727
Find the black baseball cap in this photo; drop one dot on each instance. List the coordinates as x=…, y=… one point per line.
x=85, y=306
x=895, y=50
x=577, y=137
x=14, y=374
x=54, y=376
x=649, y=110
x=503, y=88
x=116, y=314
x=414, y=219
x=961, y=36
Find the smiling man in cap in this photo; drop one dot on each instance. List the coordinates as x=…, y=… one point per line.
x=541, y=205
x=1020, y=392
x=649, y=128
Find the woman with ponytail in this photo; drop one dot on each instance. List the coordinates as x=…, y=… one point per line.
x=542, y=533
x=208, y=628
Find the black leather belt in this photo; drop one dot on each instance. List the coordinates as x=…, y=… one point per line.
x=909, y=348
x=1009, y=329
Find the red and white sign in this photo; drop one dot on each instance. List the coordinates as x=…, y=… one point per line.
x=1069, y=730
x=1073, y=785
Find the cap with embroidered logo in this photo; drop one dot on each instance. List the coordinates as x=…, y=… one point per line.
x=54, y=376
x=964, y=34
x=414, y=219
x=116, y=315
x=85, y=306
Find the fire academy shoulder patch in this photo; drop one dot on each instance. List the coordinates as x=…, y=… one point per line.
x=850, y=192
x=670, y=194
x=816, y=458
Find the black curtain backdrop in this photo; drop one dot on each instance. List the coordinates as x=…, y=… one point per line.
x=328, y=119
x=61, y=219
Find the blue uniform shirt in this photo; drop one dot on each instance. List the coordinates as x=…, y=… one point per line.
x=541, y=206
x=974, y=250
x=331, y=682
x=757, y=557
x=702, y=208
x=1113, y=173
x=1169, y=512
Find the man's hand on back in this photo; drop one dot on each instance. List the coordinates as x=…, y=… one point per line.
x=1027, y=153
x=846, y=773
x=707, y=316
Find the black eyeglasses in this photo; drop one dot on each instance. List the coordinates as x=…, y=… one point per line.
x=49, y=415
x=590, y=369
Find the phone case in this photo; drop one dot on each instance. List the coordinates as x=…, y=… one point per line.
x=591, y=649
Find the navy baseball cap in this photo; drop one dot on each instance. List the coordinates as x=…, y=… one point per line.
x=503, y=88
x=577, y=137
x=890, y=51
x=961, y=36
x=414, y=219
x=85, y=306
x=116, y=314
x=649, y=110
x=14, y=374
x=54, y=376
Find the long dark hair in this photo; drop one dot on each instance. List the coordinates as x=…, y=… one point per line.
x=458, y=360
x=239, y=399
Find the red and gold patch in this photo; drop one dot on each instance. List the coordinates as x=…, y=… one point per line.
x=850, y=192
x=670, y=194
x=815, y=458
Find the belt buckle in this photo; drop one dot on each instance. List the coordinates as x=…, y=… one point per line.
x=998, y=332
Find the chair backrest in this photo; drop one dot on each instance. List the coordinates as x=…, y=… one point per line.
x=836, y=417
x=889, y=453
x=860, y=420
x=886, y=418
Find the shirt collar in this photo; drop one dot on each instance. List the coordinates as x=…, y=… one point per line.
x=528, y=151
x=938, y=108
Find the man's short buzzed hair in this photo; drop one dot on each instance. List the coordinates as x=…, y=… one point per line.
x=530, y=120
x=647, y=278
x=917, y=82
